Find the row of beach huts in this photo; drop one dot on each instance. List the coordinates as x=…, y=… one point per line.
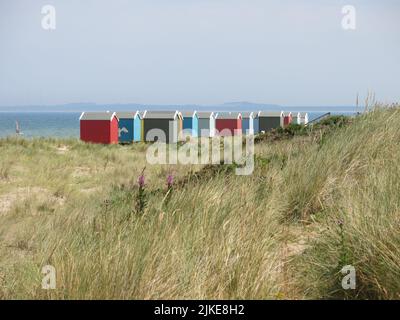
x=172, y=126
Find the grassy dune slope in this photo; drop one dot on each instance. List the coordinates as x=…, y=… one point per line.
x=274, y=234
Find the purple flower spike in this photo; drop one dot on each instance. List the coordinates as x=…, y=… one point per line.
x=170, y=181
x=141, y=181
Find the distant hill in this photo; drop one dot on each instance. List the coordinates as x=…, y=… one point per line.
x=90, y=106
x=228, y=106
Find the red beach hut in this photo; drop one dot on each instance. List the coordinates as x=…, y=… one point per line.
x=287, y=119
x=229, y=123
x=99, y=127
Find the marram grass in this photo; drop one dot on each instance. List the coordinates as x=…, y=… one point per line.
x=272, y=235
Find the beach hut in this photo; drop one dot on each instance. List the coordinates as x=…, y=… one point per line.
x=180, y=126
x=129, y=126
x=229, y=123
x=269, y=120
x=303, y=118
x=141, y=114
x=206, y=124
x=296, y=118
x=161, y=126
x=287, y=118
x=191, y=122
x=256, y=122
x=99, y=127
x=248, y=123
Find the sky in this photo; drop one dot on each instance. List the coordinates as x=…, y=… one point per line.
x=286, y=52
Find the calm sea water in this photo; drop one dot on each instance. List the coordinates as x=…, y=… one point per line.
x=38, y=124
x=57, y=124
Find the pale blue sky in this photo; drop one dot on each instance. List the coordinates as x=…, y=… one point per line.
x=288, y=52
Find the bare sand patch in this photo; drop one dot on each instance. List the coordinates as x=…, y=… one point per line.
x=6, y=202
x=90, y=190
x=20, y=194
x=62, y=149
x=80, y=172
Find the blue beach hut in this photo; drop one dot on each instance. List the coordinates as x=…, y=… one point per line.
x=190, y=122
x=129, y=126
x=248, y=123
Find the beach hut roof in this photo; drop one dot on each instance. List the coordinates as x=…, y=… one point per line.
x=188, y=114
x=248, y=114
x=127, y=114
x=287, y=114
x=141, y=113
x=205, y=115
x=303, y=114
x=271, y=113
x=229, y=115
x=98, y=116
x=161, y=114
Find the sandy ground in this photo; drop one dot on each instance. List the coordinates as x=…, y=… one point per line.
x=8, y=200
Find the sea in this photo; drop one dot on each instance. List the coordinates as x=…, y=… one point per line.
x=66, y=124
x=40, y=124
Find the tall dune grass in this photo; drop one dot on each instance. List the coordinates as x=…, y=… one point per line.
x=359, y=185
x=271, y=235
